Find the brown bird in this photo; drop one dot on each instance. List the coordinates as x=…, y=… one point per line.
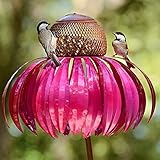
x=120, y=47
x=48, y=41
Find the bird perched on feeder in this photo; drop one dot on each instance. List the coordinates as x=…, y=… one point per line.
x=48, y=41
x=120, y=47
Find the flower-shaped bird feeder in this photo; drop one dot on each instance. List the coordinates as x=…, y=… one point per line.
x=89, y=93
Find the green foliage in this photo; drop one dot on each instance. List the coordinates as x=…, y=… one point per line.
x=138, y=19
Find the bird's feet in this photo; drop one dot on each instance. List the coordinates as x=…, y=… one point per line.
x=55, y=59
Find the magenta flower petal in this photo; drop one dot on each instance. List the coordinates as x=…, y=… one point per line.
x=47, y=118
x=78, y=97
x=94, y=114
x=153, y=94
x=41, y=97
x=111, y=102
x=130, y=93
x=25, y=101
x=8, y=85
x=141, y=92
x=15, y=96
x=59, y=97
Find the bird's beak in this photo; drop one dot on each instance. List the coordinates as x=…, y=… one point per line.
x=48, y=25
x=114, y=34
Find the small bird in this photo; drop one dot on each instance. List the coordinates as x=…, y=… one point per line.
x=48, y=41
x=120, y=47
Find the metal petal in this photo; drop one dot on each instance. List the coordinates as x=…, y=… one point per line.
x=94, y=115
x=40, y=97
x=15, y=94
x=59, y=97
x=129, y=91
x=41, y=92
x=8, y=85
x=25, y=99
x=153, y=94
x=78, y=97
x=47, y=117
x=141, y=92
x=112, y=105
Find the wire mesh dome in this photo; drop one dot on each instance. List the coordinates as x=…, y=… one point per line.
x=79, y=35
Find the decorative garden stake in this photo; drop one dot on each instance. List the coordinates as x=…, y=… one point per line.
x=88, y=93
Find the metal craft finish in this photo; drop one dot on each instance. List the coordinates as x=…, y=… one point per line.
x=88, y=93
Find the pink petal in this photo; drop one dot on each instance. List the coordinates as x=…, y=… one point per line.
x=129, y=91
x=47, y=117
x=40, y=97
x=8, y=85
x=25, y=102
x=111, y=98
x=153, y=94
x=78, y=97
x=94, y=115
x=141, y=92
x=59, y=97
x=14, y=96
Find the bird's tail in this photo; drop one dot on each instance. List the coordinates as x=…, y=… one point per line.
x=55, y=60
x=129, y=64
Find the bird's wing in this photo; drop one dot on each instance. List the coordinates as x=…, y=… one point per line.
x=45, y=38
x=124, y=46
x=120, y=48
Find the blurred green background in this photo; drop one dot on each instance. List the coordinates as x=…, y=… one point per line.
x=138, y=19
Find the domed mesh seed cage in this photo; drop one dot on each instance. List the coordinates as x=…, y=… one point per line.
x=79, y=35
